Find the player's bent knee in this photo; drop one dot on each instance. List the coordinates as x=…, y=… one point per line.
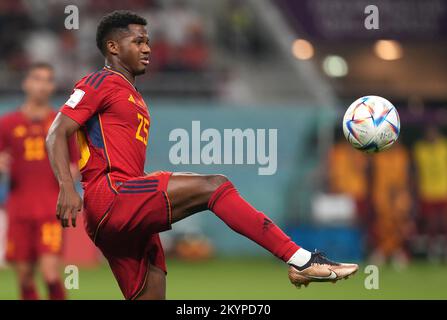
x=216, y=180
x=25, y=275
x=213, y=183
x=51, y=277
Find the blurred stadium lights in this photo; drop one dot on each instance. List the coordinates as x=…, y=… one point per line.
x=335, y=66
x=302, y=49
x=322, y=93
x=388, y=49
x=418, y=30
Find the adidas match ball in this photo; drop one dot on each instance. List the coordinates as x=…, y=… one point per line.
x=371, y=124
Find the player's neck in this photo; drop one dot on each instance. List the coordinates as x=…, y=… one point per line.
x=121, y=69
x=35, y=110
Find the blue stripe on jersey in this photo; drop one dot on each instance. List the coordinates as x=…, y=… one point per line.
x=141, y=186
x=89, y=77
x=92, y=77
x=92, y=82
x=138, y=191
x=94, y=131
x=106, y=74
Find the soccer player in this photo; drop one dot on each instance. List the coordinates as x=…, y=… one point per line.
x=125, y=208
x=34, y=233
x=430, y=154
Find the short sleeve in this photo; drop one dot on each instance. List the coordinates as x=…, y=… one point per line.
x=83, y=103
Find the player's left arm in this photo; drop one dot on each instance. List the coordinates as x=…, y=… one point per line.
x=57, y=142
x=5, y=160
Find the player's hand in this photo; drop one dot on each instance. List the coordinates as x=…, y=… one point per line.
x=5, y=160
x=69, y=204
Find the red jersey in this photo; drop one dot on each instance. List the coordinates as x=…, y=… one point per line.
x=114, y=129
x=33, y=189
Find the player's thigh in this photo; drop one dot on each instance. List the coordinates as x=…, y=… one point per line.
x=21, y=244
x=189, y=192
x=155, y=287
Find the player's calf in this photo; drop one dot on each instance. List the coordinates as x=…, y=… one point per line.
x=25, y=276
x=49, y=266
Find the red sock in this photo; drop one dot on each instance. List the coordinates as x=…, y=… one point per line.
x=56, y=291
x=240, y=216
x=28, y=292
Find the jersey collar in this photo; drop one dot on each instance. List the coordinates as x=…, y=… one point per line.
x=121, y=75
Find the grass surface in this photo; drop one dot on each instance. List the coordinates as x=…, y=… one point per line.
x=256, y=279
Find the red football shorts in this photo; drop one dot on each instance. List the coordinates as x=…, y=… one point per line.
x=29, y=239
x=127, y=231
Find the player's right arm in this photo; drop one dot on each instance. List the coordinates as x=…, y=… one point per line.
x=69, y=202
x=85, y=101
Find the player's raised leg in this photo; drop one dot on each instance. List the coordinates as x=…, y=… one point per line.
x=191, y=193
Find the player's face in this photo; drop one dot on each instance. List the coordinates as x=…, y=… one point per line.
x=134, y=49
x=39, y=85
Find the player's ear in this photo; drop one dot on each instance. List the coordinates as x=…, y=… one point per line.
x=112, y=47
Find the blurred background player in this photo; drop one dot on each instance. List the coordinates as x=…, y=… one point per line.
x=392, y=203
x=348, y=175
x=430, y=156
x=34, y=235
x=3, y=221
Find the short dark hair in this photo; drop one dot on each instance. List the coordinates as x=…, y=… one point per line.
x=115, y=21
x=39, y=65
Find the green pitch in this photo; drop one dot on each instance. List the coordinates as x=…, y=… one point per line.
x=257, y=279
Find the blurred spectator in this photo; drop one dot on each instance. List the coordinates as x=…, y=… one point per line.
x=100, y=6
x=160, y=52
x=195, y=51
x=177, y=35
x=238, y=29
x=13, y=16
x=178, y=19
x=431, y=165
x=391, y=203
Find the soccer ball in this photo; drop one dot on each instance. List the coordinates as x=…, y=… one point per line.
x=371, y=124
